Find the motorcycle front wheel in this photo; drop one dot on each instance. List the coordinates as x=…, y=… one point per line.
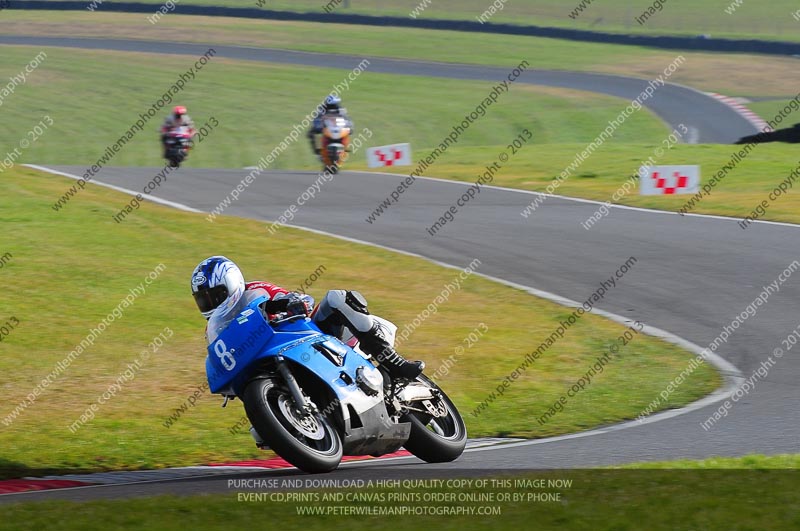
x=333, y=160
x=308, y=441
x=436, y=439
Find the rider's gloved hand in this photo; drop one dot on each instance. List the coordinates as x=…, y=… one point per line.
x=296, y=305
x=290, y=303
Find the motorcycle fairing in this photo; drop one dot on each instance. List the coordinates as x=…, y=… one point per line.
x=248, y=340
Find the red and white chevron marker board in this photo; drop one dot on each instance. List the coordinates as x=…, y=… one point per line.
x=669, y=180
x=392, y=155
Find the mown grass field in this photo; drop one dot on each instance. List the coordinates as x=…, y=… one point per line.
x=683, y=497
x=732, y=74
x=772, y=20
x=70, y=269
x=258, y=104
x=562, y=122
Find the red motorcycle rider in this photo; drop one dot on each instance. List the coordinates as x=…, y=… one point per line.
x=177, y=118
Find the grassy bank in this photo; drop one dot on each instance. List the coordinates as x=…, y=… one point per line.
x=257, y=105
x=732, y=74
x=94, y=262
x=747, y=20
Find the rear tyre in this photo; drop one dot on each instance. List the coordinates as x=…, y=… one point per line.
x=436, y=439
x=309, y=442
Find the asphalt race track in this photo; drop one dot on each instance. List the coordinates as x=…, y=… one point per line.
x=693, y=276
x=714, y=122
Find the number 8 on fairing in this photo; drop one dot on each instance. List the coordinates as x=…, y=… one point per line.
x=224, y=355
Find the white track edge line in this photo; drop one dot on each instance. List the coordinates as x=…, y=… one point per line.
x=731, y=373
x=152, y=198
x=577, y=200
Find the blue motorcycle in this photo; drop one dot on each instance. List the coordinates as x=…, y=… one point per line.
x=312, y=398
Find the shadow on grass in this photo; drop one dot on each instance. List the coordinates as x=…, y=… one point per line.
x=16, y=470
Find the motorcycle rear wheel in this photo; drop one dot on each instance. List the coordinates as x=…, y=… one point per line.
x=436, y=439
x=309, y=442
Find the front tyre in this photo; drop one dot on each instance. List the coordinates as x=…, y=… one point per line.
x=335, y=159
x=333, y=169
x=308, y=441
x=436, y=439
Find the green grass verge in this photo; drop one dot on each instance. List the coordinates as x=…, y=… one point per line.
x=773, y=107
x=732, y=74
x=607, y=170
x=448, y=46
x=749, y=462
x=258, y=104
x=91, y=263
x=621, y=500
x=771, y=20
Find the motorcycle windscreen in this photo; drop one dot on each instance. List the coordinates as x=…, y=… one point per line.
x=237, y=346
x=335, y=128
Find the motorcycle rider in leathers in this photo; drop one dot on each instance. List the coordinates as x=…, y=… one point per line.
x=218, y=285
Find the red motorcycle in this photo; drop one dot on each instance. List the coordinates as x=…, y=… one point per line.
x=177, y=144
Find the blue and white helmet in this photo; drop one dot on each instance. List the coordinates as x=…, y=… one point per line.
x=332, y=102
x=216, y=282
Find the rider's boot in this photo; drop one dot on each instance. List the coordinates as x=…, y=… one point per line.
x=341, y=309
x=396, y=365
x=312, y=138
